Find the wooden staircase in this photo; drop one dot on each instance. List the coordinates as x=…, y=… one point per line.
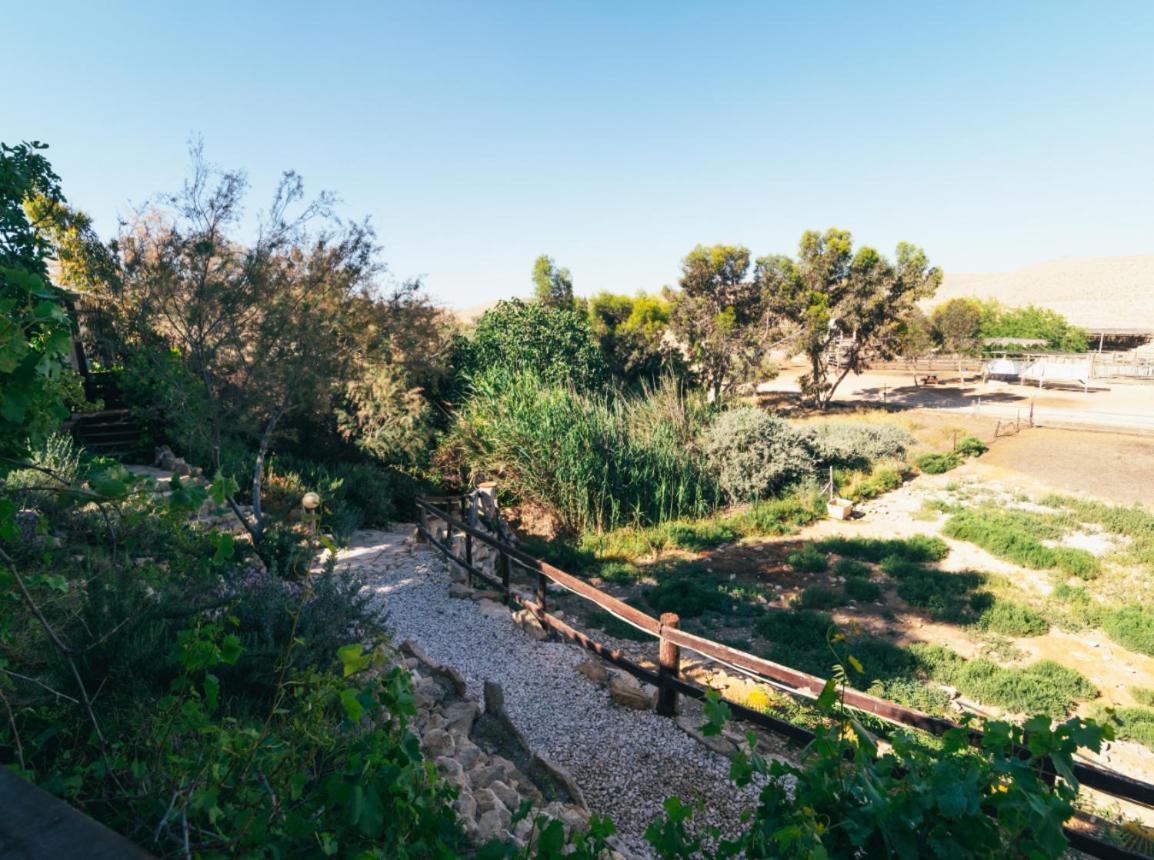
x=110, y=433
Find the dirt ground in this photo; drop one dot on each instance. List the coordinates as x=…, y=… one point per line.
x=1110, y=467
x=1122, y=406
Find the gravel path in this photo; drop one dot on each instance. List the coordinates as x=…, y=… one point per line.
x=625, y=761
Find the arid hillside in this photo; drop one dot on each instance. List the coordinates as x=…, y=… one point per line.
x=1113, y=292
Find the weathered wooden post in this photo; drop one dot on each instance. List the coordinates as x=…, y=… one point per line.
x=423, y=531
x=503, y=567
x=469, y=558
x=669, y=660
x=542, y=580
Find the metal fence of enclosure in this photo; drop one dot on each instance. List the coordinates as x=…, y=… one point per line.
x=454, y=526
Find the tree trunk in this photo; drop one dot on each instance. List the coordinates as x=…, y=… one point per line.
x=258, y=470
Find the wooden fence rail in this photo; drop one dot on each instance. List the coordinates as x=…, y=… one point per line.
x=672, y=640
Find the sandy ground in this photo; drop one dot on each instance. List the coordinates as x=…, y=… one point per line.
x=1117, y=406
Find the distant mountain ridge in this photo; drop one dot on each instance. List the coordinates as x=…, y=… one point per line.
x=1106, y=292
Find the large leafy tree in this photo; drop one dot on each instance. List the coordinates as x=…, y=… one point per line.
x=958, y=326
x=552, y=285
x=632, y=332
x=847, y=306
x=35, y=333
x=721, y=316
x=555, y=343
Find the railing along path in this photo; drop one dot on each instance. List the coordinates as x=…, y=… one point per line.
x=671, y=640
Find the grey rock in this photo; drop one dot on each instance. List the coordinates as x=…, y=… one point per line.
x=438, y=742
x=510, y=798
x=594, y=670
x=459, y=717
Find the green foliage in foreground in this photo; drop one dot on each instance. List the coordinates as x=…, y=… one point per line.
x=850, y=799
x=232, y=718
x=808, y=559
x=1018, y=536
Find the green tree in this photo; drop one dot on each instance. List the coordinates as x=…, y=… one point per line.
x=721, y=316
x=35, y=332
x=1035, y=323
x=958, y=326
x=847, y=306
x=553, y=286
x=632, y=333
x=916, y=338
x=555, y=343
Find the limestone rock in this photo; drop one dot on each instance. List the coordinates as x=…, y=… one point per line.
x=509, y=798
x=493, y=824
x=459, y=591
x=629, y=696
x=438, y=742
x=594, y=670
x=528, y=622
x=459, y=717
x=467, y=753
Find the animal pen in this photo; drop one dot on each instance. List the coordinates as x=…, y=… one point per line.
x=464, y=529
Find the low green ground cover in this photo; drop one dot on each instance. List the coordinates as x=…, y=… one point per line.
x=1018, y=536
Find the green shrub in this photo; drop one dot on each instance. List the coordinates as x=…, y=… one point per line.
x=919, y=548
x=808, y=559
x=779, y=516
x=818, y=597
x=571, y=559
x=1013, y=619
x=971, y=446
x=862, y=590
x=851, y=568
x=937, y=464
x=855, y=445
x=881, y=480
x=754, y=454
x=697, y=536
x=1131, y=627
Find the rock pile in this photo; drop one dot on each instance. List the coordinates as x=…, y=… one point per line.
x=466, y=743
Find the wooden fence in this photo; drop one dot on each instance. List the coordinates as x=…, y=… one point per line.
x=672, y=639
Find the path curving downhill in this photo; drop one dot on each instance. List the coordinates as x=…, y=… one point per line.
x=626, y=762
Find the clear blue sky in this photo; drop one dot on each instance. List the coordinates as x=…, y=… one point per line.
x=615, y=136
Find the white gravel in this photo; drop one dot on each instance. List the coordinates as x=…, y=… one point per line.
x=626, y=762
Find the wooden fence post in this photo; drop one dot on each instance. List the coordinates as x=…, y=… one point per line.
x=469, y=558
x=542, y=580
x=669, y=660
x=423, y=531
x=503, y=566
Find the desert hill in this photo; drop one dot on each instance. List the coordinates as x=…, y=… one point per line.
x=1107, y=292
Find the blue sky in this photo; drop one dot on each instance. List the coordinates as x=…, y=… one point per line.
x=615, y=136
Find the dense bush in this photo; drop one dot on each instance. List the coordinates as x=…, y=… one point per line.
x=1131, y=724
x=936, y=464
x=597, y=461
x=971, y=446
x=555, y=342
x=854, y=444
x=942, y=595
x=755, y=454
x=851, y=568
